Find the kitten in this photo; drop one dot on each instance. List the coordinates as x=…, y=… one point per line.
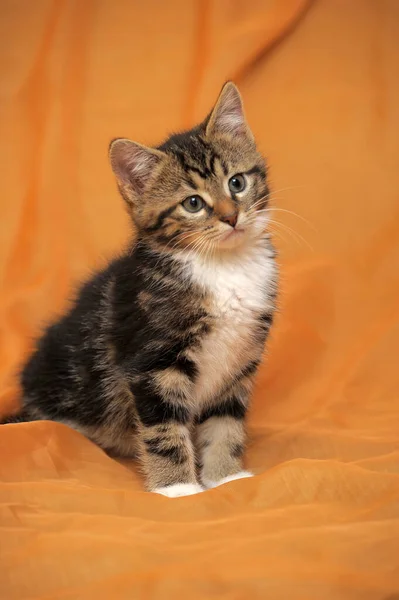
x=157, y=357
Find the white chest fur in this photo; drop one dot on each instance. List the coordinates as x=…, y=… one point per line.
x=239, y=290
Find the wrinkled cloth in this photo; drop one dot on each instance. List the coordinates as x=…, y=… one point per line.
x=320, y=520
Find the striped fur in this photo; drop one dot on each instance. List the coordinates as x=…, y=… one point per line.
x=157, y=357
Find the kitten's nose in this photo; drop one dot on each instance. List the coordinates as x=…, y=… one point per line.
x=230, y=219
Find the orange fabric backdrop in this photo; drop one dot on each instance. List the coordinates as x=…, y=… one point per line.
x=321, y=88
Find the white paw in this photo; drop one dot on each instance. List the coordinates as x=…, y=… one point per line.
x=240, y=475
x=179, y=489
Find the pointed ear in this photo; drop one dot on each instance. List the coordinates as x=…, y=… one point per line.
x=227, y=116
x=133, y=165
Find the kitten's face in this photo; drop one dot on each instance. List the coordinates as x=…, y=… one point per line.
x=204, y=190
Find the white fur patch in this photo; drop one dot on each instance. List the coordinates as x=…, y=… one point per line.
x=240, y=475
x=179, y=489
x=239, y=290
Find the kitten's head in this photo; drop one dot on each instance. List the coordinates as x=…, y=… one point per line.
x=204, y=189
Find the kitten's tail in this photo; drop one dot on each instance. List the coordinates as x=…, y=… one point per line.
x=23, y=416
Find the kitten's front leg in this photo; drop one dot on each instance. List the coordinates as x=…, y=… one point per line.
x=167, y=453
x=220, y=436
x=168, y=460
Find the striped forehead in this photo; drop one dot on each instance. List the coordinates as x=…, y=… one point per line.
x=209, y=186
x=199, y=159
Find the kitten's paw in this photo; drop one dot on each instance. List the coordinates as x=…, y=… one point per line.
x=179, y=489
x=240, y=475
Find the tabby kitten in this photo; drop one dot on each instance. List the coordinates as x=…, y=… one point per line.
x=157, y=357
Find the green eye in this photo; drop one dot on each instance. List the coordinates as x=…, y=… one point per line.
x=237, y=183
x=193, y=204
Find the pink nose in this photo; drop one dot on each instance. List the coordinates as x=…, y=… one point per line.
x=230, y=219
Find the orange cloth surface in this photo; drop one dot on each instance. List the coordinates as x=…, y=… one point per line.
x=321, y=89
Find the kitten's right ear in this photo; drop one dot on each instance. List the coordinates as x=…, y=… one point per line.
x=133, y=165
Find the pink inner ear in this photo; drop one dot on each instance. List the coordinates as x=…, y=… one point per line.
x=140, y=162
x=133, y=164
x=231, y=116
x=228, y=115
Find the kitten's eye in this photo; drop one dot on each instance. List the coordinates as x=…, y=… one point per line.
x=193, y=204
x=237, y=183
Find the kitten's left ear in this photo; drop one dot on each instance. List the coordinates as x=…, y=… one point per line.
x=227, y=116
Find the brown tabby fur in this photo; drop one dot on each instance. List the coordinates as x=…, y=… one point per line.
x=158, y=355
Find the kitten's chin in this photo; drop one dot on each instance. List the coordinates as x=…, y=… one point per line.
x=239, y=238
x=233, y=239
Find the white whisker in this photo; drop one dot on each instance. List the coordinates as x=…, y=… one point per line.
x=289, y=188
x=295, y=235
x=291, y=212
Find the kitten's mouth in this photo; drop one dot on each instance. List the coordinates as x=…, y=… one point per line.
x=233, y=238
x=233, y=234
